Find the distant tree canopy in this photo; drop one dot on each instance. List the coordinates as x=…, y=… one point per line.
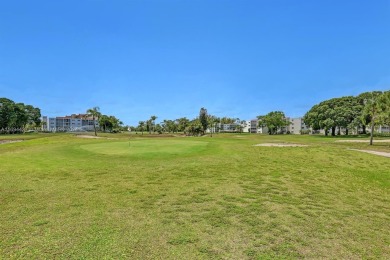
x=18, y=115
x=203, y=119
x=194, y=128
x=335, y=113
x=197, y=126
x=109, y=123
x=366, y=109
x=385, y=108
x=226, y=120
x=274, y=121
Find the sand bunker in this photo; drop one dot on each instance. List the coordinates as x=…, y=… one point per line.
x=9, y=141
x=281, y=145
x=88, y=136
x=372, y=152
x=362, y=141
x=95, y=137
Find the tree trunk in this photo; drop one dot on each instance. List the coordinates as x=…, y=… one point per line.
x=346, y=131
x=339, y=131
x=372, y=133
x=333, y=131
x=364, y=130
x=326, y=132
x=94, y=126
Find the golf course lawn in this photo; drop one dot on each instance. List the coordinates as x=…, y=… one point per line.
x=128, y=196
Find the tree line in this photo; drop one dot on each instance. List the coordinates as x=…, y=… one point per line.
x=17, y=117
x=194, y=127
x=368, y=109
x=347, y=114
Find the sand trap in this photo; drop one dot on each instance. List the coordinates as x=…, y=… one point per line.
x=362, y=141
x=281, y=145
x=372, y=152
x=95, y=137
x=88, y=136
x=9, y=141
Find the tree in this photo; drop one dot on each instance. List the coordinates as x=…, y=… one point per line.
x=384, y=101
x=274, y=121
x=148, y=124
x=141, y=125
x=169, y=126
x=334, y=113
x=17, y=116
x=345, y=112
x=194, y=128
x=104, y=122
x=203, y=119
x=182, y=124
x=364, y=119
x=211, y=121
x=110, y=123
x=152, y=123
x=158, y=128
x=376, y=110
x=95, y=114
x=227, y=120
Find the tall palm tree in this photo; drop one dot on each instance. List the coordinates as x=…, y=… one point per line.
x=141, y=125
x=95, y=113
x=152, y=121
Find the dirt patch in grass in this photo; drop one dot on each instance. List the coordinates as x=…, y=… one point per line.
x=88, y=136
x=362, y=141
x=156, y=135
x=373, y=152
x=9, y=141
x=281, y=145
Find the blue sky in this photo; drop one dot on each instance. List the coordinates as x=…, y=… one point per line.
x=239, y=58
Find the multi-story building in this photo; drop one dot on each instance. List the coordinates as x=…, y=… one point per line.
x=254, y=125
x=246, y=126
x=383, y=129
x=296, y=126
x=228, y=127
x=256, y=129
x=69, y=123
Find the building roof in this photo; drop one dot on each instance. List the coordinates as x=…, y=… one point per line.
x=74, y=116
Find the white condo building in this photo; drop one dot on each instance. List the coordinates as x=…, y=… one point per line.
x=69, y=123
x=296, y=125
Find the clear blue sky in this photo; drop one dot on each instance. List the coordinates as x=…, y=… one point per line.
x=238, y=58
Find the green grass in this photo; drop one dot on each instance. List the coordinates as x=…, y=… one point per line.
x=192, y=197
x=148, y=148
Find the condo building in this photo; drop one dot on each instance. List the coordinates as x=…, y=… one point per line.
x=296, y=126
x=79, y=122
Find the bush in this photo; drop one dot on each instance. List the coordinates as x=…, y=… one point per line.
x=381, y=134
x=304, y=132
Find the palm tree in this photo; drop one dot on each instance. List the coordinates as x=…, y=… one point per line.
x=152, y=121
x=95, y=113
x=141, y=125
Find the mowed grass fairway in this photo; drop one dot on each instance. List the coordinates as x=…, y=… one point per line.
x=148, y=148
x=192, y=198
